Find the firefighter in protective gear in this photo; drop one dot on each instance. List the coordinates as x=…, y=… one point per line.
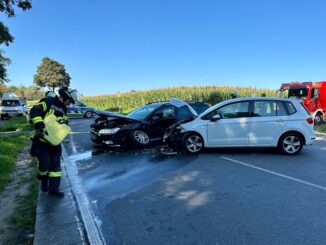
x=49, y=169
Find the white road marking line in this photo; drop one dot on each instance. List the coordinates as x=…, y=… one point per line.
x=320, y=187
x=79, y=132
x=72, y=144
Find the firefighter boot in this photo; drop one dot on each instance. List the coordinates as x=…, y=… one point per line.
x=56, y=193
x=45, y=185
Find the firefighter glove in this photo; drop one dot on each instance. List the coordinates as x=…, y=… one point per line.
x=40, y=132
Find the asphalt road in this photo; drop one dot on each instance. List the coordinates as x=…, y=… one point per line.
x=242, y=196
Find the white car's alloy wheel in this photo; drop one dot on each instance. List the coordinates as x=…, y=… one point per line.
x=194, y=144
x=291, y=144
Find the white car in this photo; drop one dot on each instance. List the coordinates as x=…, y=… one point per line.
x=10, y=106
x=251, y=122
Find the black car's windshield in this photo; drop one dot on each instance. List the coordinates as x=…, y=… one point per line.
x=298, y=92
x=142, y=112
x=10, y=103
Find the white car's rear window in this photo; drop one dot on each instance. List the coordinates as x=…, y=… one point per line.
x=305, y=108
x=290, y=107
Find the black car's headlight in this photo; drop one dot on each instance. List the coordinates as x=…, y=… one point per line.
x=109, y=131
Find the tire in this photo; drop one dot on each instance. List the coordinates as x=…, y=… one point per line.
x=88, y=114
x=139, y=138
x=318, y=119
x=290, y=143
x=193, y=143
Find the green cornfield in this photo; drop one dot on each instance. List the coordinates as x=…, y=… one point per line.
x=209, y=94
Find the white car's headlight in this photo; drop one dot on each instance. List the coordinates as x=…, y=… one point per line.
x=109, y=131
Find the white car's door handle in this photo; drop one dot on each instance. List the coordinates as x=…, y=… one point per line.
x=280, y=120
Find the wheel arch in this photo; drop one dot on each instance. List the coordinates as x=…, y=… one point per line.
x=322, y=114
x=292, y=131
x=319, y=111
x=197, y=133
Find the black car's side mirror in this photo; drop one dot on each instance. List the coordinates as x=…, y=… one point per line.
x=215, y=118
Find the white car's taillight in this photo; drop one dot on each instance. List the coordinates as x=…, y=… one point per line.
x=310, y=120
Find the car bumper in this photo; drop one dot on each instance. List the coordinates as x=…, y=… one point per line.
x=109, y=140
x=310, y=140
x=174, y=140
x=11, y=114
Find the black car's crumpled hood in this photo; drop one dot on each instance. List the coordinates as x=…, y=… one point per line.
x=113, y=115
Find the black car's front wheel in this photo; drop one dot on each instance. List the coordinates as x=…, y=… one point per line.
x=139, y=138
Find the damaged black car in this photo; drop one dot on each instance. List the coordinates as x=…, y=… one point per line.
x=144, y=126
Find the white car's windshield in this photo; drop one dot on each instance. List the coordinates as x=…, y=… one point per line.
x=142, y=112
x=10, y=103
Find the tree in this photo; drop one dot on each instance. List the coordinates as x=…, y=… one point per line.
x=5, y=36
x=51, y=74
x=3, y=71
x=29, y=92
x=8, y=7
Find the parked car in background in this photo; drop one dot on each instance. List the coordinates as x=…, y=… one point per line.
x=10, y=106
x=79, y=109
x=144, y=126
x=247, y=122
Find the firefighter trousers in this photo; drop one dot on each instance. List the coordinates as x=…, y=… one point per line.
x=49, y=168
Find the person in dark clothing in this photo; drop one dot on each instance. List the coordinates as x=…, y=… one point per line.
x=49, y=169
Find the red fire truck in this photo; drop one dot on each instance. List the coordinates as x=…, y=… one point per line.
x=313, y=96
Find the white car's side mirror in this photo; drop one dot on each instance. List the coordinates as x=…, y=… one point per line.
x=215, y=118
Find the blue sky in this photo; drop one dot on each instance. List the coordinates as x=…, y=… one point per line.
x=109, y=46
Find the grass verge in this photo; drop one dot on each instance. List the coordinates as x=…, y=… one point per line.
x=24, y=217
x=15, y=124
x=10, y=146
